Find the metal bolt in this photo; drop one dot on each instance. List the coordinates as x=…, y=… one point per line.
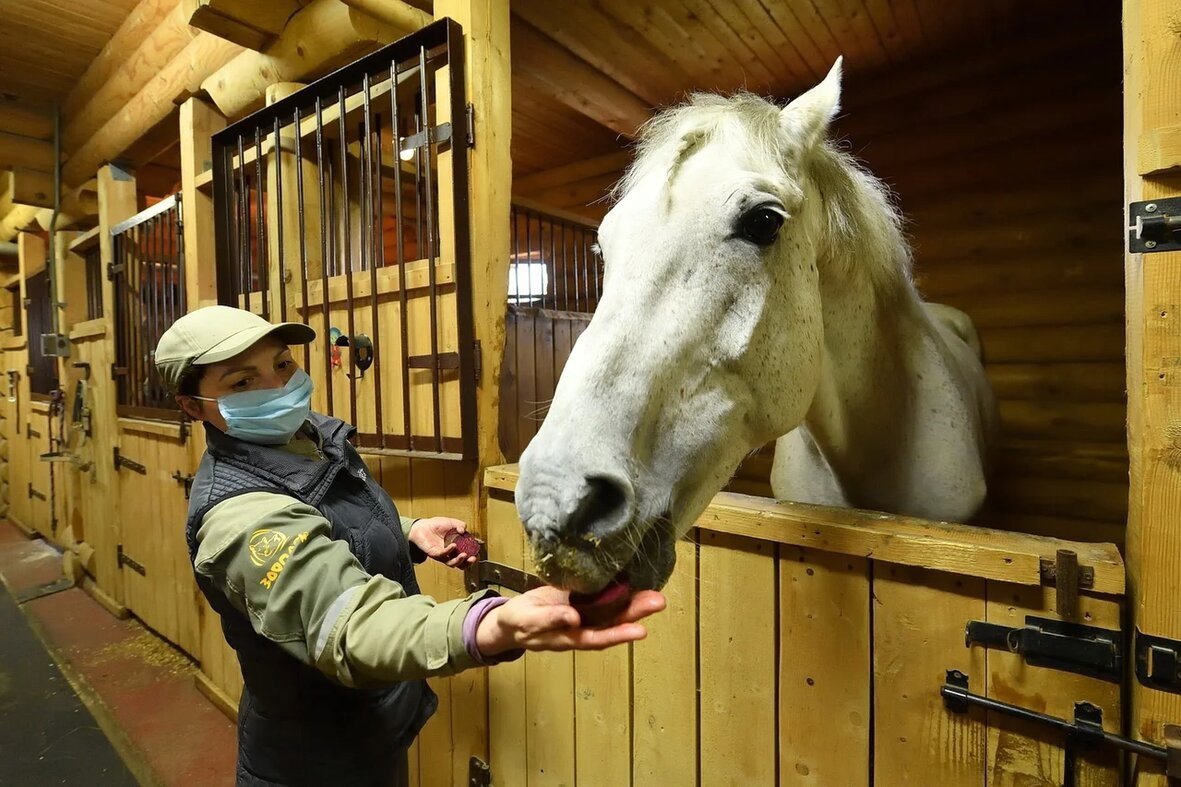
x=1150, y=244
x=1150, y=207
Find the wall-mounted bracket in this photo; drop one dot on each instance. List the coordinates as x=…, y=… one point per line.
x=1154, y=225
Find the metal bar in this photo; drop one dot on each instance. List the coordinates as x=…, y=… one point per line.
x=342, y=127
x=566, y=273
x=303, y=240
x=324, y=254
x=376, y=243
x=152, y=268
x=162, y=206
x=244, y=261
x=552, y=264
x=134, y=273
x=956, y=694
x=400, y=226
x=280, y=219
x=462, y=243
x=431, y=249
x=264, y=257
x=223, y=187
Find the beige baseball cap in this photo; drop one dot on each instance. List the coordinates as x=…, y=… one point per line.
x=216, y=333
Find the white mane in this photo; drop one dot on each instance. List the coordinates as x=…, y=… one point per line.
x=864, y=225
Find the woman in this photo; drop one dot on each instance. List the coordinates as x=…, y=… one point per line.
x=305, y=558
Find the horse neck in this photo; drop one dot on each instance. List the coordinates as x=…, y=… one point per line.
x=878, y=367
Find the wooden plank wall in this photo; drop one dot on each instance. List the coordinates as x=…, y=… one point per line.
x=538, y=344
x=777, y=664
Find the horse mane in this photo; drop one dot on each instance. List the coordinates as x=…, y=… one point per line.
x=864, y=223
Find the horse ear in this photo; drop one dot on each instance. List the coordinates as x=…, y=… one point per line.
x=806, y=118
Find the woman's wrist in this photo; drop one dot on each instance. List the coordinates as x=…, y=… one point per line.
x=491, y=638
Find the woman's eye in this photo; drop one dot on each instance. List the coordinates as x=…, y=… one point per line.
x=285, y=365
x=760, y=226
x=242, y=384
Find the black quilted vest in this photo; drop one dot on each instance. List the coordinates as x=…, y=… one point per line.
x=295, y=726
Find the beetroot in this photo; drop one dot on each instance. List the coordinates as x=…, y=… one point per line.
x=464, y=542
x=597, y=610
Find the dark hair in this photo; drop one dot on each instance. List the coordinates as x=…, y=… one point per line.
x=190, y=380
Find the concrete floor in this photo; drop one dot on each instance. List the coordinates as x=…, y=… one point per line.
x=88, y=699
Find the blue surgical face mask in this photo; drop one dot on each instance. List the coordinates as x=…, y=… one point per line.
x=269, y=416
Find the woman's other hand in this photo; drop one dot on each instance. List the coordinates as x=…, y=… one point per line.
x=543, y=619
x=430, y=536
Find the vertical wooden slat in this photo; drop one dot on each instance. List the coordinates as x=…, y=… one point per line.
x=1152, y=73
x=738, y=673
x=507, y=719
x=664, y=676
x=918, y=628
x=1021, y=754
x=602, y=717
x=825, y=668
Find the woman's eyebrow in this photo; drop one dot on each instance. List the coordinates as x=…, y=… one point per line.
x=236, y=369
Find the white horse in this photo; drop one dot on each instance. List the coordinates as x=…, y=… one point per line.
x=757, y=286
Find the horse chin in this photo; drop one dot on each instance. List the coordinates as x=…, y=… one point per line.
x=588, y=567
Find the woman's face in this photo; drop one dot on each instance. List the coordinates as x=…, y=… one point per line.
x=266, y=364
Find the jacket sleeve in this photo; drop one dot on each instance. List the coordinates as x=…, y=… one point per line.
x=275, y=561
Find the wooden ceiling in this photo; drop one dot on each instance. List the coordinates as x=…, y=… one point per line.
x=46, y=45
x=585, y=72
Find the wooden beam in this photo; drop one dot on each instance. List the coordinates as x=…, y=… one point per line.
x=569, y=173
x=20, y=118
x=198, y=123
x=20, y=151
x=150, y=56
x=324, y=34
x=1152, y=71
x=393, y=12
x=19, y=218
x=248, y=23
x=180, y=79
x=30, y=187
x=940, y=546
x=138, y=25
x=556, y=71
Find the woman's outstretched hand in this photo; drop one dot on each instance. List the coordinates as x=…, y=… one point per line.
x=430, y=536
x=543, y=619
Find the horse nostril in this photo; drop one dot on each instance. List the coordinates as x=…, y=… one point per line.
x=603, y=508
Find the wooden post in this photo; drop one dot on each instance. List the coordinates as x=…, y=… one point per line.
x=199, y=121
x=488, y=87
x=116, y=202
x=1152, y=71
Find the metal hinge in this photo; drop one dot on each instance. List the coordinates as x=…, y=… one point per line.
x=477, y=359
x=1056, y=644
x=187, y=480
x=113, y=270
x=134, y=565
x=33, y=493
x=122, y=461
x=118, y=371
x=478, y=773
x=1154, y=225
x=1085, y=732
x=471, y=125
x=1158, y=662
x=483, y=573
x=30, y=431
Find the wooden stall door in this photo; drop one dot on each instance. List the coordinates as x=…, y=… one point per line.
x=787, y=657
x=41, y=478
x=157, y=575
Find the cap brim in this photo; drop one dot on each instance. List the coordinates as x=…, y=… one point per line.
x=286, y=332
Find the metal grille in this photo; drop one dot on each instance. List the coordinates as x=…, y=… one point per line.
x=42, y=368
x=344, y=206
x=149, y=278
x=94, y=282
x=553, y=264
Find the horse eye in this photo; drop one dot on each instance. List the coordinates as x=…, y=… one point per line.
x=760, y=226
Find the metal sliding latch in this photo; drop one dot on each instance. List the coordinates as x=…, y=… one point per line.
x=1084, y=732
x=1158, y=662
x=483, y=573
x=122, y=461
x=478, y=773
x=125, y=560
x=1057, y=644
x=1154, y=225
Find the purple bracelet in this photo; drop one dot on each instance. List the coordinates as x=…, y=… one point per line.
x=472, y=622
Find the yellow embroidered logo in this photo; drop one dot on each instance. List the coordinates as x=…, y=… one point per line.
x=264, y=545
x=278, y=566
